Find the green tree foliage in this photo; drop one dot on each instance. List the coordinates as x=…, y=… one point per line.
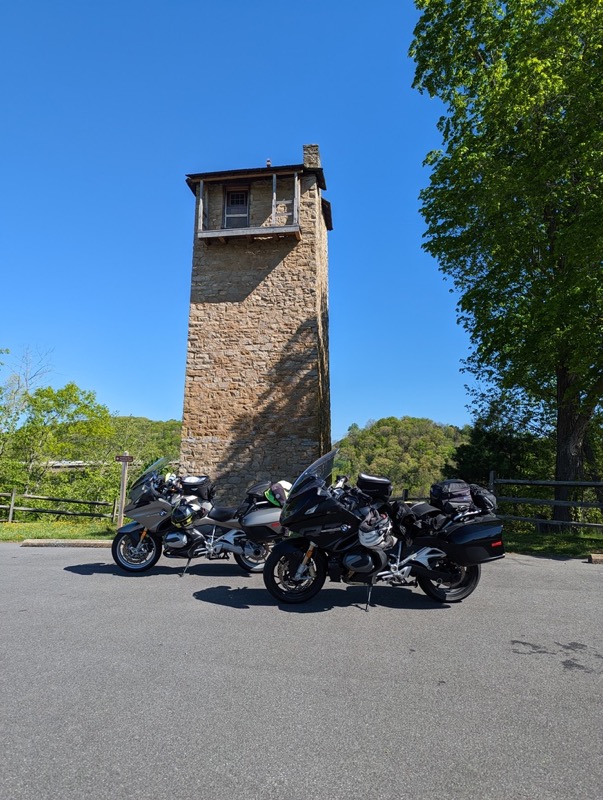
x=56, y=425
x=515, y=200
x=145, y=439
x=504, y=450
x=42, y=430
x=411, y=452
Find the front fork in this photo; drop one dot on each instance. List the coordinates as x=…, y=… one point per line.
x=299, y=572
x=141, y=539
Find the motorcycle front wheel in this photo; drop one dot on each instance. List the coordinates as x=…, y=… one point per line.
x=280, y=576
x=461, y=584
x=253, y=559
x=131, y=558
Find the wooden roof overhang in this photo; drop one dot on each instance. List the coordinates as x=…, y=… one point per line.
x=194, y=179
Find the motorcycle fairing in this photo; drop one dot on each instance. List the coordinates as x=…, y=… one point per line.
x=150, y=514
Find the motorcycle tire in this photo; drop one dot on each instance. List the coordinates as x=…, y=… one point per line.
x=461, y=586
x=279, y=572
x=251, y=563
x=123, y=551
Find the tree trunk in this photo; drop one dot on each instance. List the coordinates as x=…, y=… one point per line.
x=572, y=423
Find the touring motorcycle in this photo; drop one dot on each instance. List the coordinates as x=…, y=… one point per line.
x=358, y=535
x=178, y=516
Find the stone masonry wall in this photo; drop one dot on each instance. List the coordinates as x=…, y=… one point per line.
x=256, y=402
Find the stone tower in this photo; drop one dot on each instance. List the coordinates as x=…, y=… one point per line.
x=256, y=396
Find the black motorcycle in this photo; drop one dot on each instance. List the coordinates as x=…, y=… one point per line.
x=357, y=535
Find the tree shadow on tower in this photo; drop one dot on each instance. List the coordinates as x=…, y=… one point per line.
x=287, y=423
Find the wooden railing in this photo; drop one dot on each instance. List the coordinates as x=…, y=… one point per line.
x=14, y=495
x=539, y=501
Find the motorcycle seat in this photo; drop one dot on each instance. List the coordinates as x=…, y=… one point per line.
x=222, y=513
x=363, y=478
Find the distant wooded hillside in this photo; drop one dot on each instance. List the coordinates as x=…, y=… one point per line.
x=412, y=452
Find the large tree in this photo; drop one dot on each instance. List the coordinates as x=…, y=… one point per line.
x=514, y=208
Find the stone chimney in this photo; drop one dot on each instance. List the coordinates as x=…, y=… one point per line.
x=311, y=156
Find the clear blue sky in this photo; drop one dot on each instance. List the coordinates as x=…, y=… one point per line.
x=105, y=108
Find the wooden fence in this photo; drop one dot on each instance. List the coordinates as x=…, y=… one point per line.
x=542, y=522
x=494, y=484
x=14, y=495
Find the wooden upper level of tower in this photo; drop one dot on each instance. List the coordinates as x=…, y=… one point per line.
x=256, y=203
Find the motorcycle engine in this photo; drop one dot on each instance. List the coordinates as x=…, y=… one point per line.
x=176, y=540
x=359, y=561
x=362, y=565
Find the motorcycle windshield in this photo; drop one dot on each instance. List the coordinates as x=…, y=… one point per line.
x=156, y=466
x=321, y=469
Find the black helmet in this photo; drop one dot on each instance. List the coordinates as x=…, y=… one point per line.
x=182, y=515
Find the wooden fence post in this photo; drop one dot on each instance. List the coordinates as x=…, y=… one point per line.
x=125, y=459
x=12, y=505
x=491, y=481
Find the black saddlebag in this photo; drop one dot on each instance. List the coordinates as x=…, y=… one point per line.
x=450, y=496
x=475, y=541
x=484, y=499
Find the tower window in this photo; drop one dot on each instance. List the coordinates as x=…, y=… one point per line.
x=236, y=209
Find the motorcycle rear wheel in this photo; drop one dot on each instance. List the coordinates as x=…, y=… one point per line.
x=132, y=559
x=279, y=579
x=460, y=586
x=250, y=562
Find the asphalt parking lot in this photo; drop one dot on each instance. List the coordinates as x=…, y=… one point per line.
x=157, y=686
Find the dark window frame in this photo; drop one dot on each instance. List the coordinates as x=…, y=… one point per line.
x=236, y=215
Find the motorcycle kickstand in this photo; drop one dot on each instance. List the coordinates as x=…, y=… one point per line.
x=184, y=570
x=368, y=598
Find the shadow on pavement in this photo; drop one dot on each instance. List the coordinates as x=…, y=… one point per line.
x=223, y=569
x=325, y=600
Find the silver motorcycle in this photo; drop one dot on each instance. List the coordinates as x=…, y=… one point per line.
x=177, y=516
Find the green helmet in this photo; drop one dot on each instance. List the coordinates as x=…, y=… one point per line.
x=278, y=493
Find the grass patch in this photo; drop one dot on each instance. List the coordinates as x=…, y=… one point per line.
x=522, y=537
x=62, y=529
